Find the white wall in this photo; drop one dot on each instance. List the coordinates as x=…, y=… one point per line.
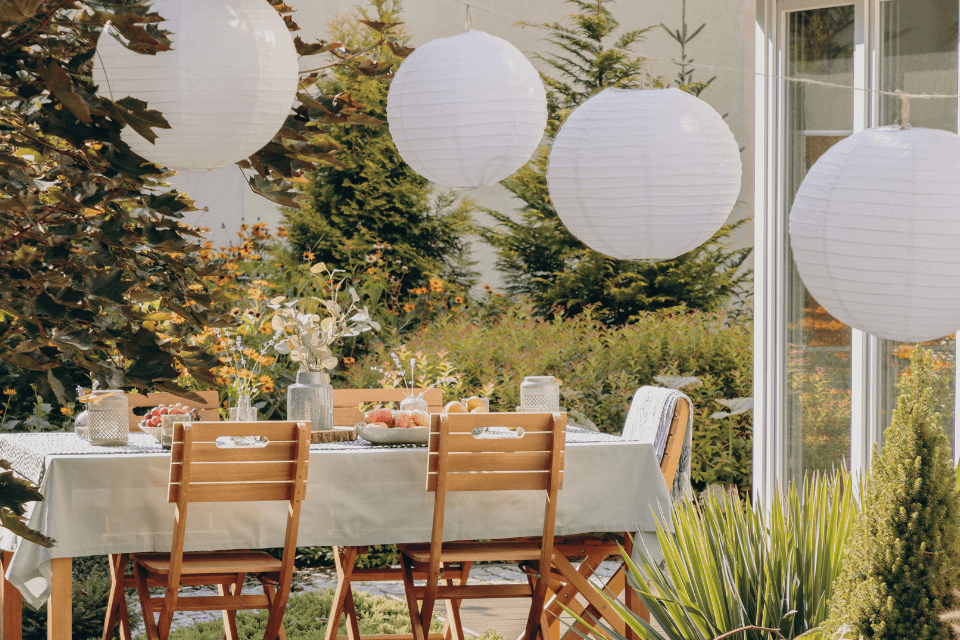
x=723, y=42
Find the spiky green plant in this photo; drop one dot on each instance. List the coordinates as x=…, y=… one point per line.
x=730, y=566
x=903, y=558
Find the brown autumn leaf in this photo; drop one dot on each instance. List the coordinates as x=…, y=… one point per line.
x=61, y=86
x=378, y=26
x=399, y=50
x=314, y=48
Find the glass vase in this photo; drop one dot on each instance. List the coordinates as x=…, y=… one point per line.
x=244, y=411
x=311, y=399
x=414, y=403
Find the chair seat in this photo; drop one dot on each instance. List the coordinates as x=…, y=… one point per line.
x=508, y=550
x=210, y=563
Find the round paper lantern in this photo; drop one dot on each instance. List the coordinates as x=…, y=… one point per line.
x=226, y=86
x=467, y=110
x=875, y=231
x=644, y=174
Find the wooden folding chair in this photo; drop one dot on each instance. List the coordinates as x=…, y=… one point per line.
x=117, y=604
x=464, y=457
x=346, y=411
x=566, y=586
x=203, y=471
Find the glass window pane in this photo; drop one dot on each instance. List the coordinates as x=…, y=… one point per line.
x=919, y=55
x=820, y=46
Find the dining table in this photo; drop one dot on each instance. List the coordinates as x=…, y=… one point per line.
x=113, y=500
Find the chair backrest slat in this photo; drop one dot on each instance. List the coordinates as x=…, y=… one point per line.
x=225, y=473
x=209, y=409
x=497, y=458
x=346, y=402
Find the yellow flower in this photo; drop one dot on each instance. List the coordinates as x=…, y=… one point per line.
x=66, y=411
x=458, y=300
x=10, y=392
x=436, y=285
x=348, y=360
x=487, y=288
x=309, y=255
x=408, y=307
x=266, y=384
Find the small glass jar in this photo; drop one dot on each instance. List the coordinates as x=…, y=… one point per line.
x=540, y=393
x=167, y=423
x=244, y=411
x=108, y=421
x=414, y=403
x=80, y=425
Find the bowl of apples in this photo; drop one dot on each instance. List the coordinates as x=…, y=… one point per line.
x=383, y=426
x=150, y=423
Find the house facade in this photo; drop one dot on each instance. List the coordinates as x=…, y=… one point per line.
x=825, y=392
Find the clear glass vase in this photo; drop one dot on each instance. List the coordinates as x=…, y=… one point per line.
x=244, y=411
x=414, y=403
x=311, y=399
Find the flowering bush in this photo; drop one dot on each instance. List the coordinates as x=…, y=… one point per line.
x=496, y=344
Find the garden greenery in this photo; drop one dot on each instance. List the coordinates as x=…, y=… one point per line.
x=539, y=257
x=903, y=561
x=371, y=198
x=729, y=566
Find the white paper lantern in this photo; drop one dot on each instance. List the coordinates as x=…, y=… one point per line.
x=226, y=86
x=466, y=111
x=875, y=231
x=644, y=174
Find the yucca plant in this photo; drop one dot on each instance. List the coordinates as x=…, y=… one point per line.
x=728, y=566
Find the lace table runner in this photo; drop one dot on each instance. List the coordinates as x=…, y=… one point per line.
x=27, y=452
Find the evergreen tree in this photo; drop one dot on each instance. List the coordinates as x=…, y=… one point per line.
x=901, y=562
x=536, y=253
x=372, y=196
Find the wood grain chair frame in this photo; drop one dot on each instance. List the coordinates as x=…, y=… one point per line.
x=346, y=411
x=463, y=456
x=572, y=581
x=203, y=470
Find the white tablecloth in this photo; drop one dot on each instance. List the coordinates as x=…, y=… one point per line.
x=116, y=503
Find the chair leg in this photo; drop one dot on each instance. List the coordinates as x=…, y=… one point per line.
x=536, y=616
x=116, y=603
x=412, y=607
x=149, y=622
x=274, y=630
x=344, y=558
x=230, y=616
x=453, y=628
x=429, y=600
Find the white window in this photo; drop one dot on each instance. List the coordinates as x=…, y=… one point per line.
x=824, y=392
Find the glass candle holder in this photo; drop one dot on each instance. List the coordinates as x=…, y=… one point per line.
x=311, y=399
x=108, y=422
x=540, y=393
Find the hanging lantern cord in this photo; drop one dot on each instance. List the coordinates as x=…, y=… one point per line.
x=904, y=109
x=468, y=25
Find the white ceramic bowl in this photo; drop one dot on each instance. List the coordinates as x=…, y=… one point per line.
x=380, y=435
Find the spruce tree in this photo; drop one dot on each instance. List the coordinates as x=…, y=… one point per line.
x=372, y=196
x=539, y=257
x=901, y=563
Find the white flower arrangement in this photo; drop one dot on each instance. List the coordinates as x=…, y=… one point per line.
x=307, y=337
x=399, y=374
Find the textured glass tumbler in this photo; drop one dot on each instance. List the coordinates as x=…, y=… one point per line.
x=244, y=411
x=311, y=399
x=108, y=422
x=414, y=403
x=166, y=428
x=540, y=393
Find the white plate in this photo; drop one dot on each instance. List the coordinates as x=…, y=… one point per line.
x=379, y=435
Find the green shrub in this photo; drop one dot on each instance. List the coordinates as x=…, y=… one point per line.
x=536, y=253
x=306, y=619
x=729, y=565
x=371, y=196
x=902, y=560
x=600, y=368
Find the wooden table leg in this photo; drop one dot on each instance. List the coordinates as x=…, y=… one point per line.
x=344, y=558
x=11, y=604
x=60, y=603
